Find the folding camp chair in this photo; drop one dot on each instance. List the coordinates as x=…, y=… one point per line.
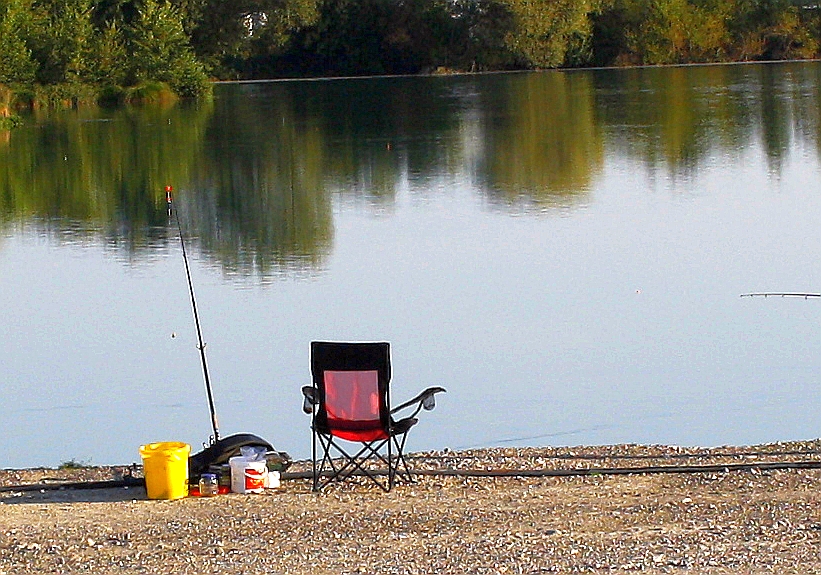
x=350, y=401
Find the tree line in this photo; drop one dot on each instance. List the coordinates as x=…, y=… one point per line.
x=66, y=51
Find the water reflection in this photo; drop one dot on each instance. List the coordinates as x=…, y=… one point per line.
x=379, y=131
x=543, y=144
x=675, y=118
x=258, y=198
x=259, y=168
x=97, y=173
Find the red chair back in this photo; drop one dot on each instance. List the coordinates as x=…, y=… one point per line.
x=353, y=405
x=352, y=380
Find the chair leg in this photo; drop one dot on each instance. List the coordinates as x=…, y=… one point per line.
x=351, y=463
x=327, y=463
x=400, y=459
x=391, y=468
x=393, y=457
x=315, y=484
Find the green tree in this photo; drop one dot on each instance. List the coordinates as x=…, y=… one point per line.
x=772, y=29
x=108, y=66
x=551, y=33
x=468, y=34
x=665, y=31
x=358, y=37
x=59, y=40
x=16, y=64
x=160, y=51
x=681, y=31
x=226, y=35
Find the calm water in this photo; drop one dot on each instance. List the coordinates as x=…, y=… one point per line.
x=564, y=252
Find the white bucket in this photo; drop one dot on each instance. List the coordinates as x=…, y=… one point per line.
x=273, y=480
x=248, y=476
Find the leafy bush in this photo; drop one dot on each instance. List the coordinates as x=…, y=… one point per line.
x=149, y=92
x=74, y=464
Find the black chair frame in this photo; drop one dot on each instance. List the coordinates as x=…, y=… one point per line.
x=387, y=449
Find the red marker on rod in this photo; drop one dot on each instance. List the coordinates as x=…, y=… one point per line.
x=168, y=190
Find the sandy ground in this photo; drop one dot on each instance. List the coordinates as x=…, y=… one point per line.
x=738, y=521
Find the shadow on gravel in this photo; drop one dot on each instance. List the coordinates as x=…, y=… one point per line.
x=46, y=496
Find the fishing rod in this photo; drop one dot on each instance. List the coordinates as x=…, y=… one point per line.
x=781, y=294
x=220, y=449
x=201, y=346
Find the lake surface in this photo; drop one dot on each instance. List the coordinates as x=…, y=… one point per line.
x=563, y=251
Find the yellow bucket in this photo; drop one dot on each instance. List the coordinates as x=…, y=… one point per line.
x=165, y=467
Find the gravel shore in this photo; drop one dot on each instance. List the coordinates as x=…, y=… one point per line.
x=747, y=520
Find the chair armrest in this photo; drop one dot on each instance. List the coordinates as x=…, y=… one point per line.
x=310, y=399
x=424, y=400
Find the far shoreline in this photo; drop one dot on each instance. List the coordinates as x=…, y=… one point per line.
x=434, y=74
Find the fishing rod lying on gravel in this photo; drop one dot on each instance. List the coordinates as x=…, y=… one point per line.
x=591, y=471
x=129, y=481
x=218, y=450
x=479, y=471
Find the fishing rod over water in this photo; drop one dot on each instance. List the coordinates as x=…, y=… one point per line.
x=200, y=344
x=218, y=450
x=781, y=294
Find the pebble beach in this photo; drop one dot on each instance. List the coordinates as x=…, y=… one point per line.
x=752, y=509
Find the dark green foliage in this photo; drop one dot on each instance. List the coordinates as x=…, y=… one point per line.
x=110, y=52
x=685, y=31
x=160, y=51
x=65, y=52
x=228, y=37
x=16, y=63
x=609, y=36
x=107, y=12
x=354, y=37
x=58, y=39
x=476, y=39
